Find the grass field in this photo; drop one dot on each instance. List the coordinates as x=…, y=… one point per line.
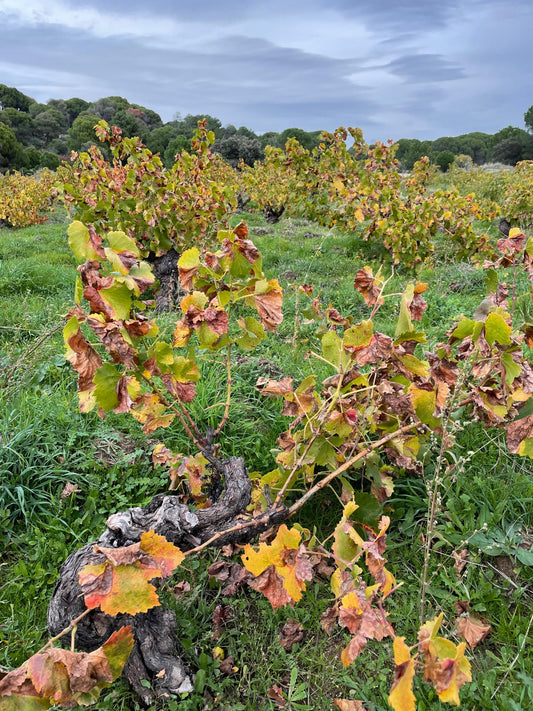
x=45, y=444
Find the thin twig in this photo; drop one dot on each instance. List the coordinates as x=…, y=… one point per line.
x=228, y=394
x=349, y=463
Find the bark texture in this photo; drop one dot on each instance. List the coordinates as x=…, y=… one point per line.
x=154, y=631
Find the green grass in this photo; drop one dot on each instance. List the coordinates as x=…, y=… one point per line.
x=45, y=443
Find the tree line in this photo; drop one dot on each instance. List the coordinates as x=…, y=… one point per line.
x=35, y=135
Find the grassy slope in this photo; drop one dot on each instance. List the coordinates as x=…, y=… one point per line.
x=45, y=443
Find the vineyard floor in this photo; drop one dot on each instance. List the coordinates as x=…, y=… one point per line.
x=46, y=444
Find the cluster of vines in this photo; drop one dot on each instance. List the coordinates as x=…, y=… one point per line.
x=361, y=188
x=25, y=198
x=382, y=404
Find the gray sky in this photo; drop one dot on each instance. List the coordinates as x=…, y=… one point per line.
x=396, y=68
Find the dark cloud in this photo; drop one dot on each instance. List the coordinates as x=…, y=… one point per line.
x=425, y=68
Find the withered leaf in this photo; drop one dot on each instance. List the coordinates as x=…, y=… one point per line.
x=473, y=630
x=291, y=633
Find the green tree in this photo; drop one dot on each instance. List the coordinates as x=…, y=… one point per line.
x=304, y=138
x=21, y=123
x=528, y=119
x=11, y=97
x=239, y=147
x=444, y=160
x=130, y=124
x=50, y=124
x=74, y=107
x=189, y=124
x=176, y=145
x=10, y=148
x=81, y=134
x=508, y=151
x=270, y=138
x=159, y=138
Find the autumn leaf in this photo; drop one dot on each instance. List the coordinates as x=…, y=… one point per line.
x=281, y=568
x=401, y=697
x=62, y=677
x=349, y=704
x=82, y=356
x=268, y=299
x=291, y=633
x=368, y=285
x=120, y=583
x=188, y=265
x=473, y=630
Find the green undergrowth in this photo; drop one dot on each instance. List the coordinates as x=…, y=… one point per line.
x=46, y=444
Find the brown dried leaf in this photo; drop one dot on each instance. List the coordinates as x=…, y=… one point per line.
x=291, y=633
x=473, y=630
x=271, y=585
x=518, y=431
x=368, y=285
x=269, y=306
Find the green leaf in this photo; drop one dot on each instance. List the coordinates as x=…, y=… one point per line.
x=464, y=328
x=512, y=369
x=497, y=330
x=358, y=336
x=189, y=259
x=253, y=333
x=424, y=402
x=524, y=556
x=415, y=365
x=404, y=320
x=491, y=281
x=185, y=370
x=79, y=241
x=119, y=298
x=120, y=242
x=78, y=290
x=106, y=379
x=333, y=351
x=526, y=448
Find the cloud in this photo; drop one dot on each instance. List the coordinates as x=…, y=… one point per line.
x=397, y=68
x=425, y=68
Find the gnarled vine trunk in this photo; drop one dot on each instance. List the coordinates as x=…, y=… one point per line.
x=155, y=656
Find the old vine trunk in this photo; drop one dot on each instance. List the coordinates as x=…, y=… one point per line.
x=154, y=656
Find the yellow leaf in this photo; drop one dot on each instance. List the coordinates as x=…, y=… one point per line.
x=401, y=697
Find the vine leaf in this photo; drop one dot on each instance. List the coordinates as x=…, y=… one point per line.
x=60, y=677
x=445, y=663
x=281, y=568
x=401, y=697
x=473, y=630
x=120, y=583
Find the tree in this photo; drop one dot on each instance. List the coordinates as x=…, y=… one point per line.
x=150, y=118
x=238, y=147
x=508, y=151
x=270, y=138
x=159, y=138
x=189, y=124
x=305, y=139
x=75, y=106
x=176, y=145
x=50, y=124
x=10, y=148
x=528, y=119
x=81, y=133
x=444, y=159
x=20, y=122
x=11, y=97
x=130, y=124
